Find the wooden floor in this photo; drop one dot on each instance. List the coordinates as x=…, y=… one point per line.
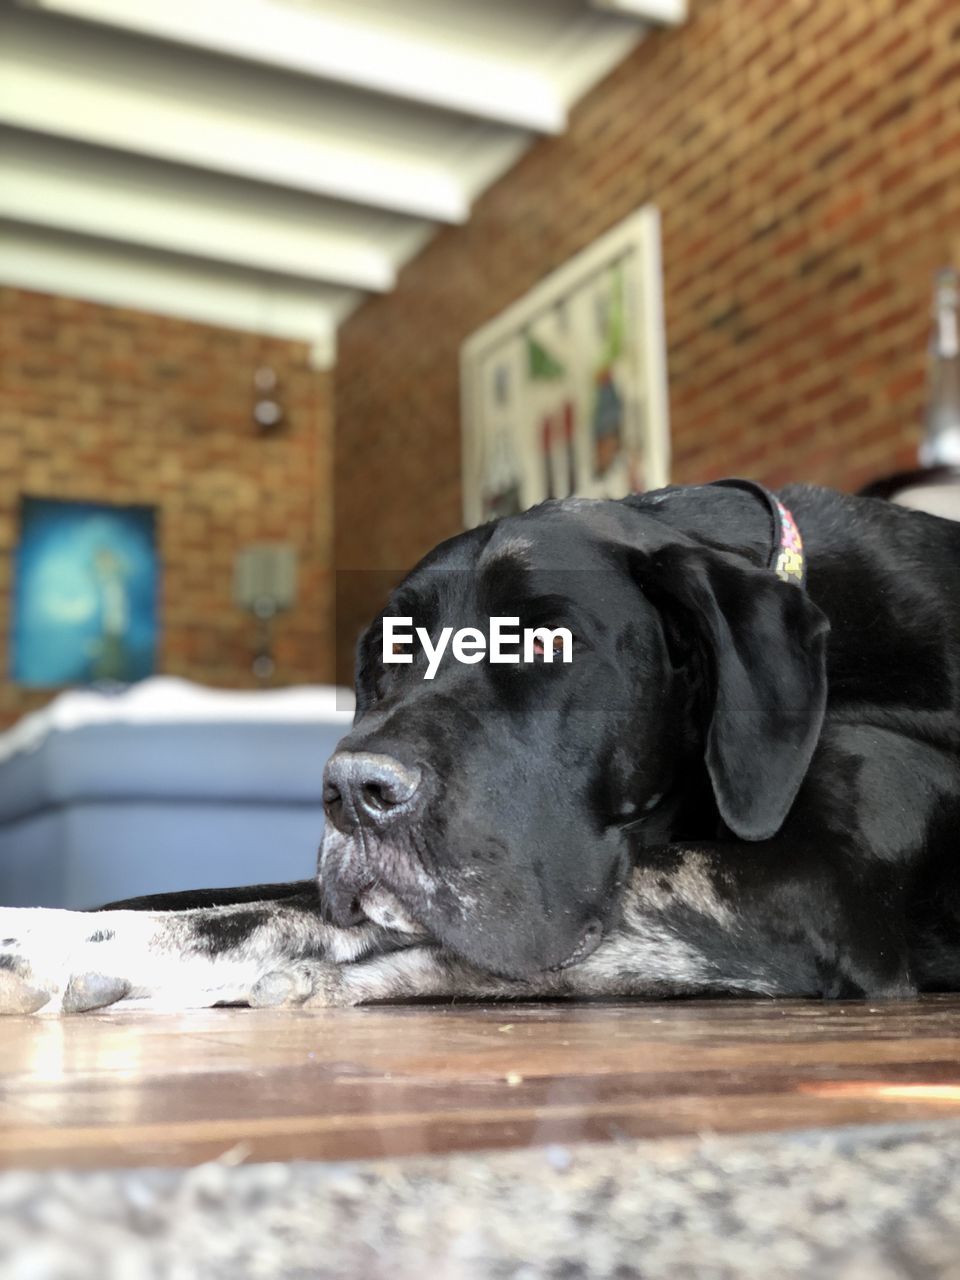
x=119, y=1089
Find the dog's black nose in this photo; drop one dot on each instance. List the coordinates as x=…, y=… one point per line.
x=360, y=787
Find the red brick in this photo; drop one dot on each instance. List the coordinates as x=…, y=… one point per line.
x=159, y=411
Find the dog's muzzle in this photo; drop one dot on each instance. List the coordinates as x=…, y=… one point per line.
x=371, y=801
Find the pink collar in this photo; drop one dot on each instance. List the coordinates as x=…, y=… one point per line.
x=790, y=564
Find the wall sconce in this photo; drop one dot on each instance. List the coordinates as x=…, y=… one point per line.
x=267, y=409
x=265, y=584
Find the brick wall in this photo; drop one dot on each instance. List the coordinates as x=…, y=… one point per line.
x=805, y=157
x=108, y=404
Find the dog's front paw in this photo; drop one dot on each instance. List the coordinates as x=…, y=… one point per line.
x=20, y=991
x=33, y=969
x=311, y=984
x=49, y=963
x=413, y=973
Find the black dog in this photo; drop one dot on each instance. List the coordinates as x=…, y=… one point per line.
x=747, y=780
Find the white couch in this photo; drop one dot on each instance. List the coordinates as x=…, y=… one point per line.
x=166, y=785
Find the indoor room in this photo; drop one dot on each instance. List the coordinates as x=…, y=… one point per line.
x=480, y=605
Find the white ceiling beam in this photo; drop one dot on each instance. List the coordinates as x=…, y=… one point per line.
x=348, y=50
x=100, y=194
x=593, y=48
x=95, y=272
x=54, y=83
x=663, y=12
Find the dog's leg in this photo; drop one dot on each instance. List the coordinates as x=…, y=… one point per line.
x=55, y=961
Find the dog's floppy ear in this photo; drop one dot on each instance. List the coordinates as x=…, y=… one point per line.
x=763, y=645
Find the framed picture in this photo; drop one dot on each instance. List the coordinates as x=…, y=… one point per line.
x=565, y=392
x=85, y=593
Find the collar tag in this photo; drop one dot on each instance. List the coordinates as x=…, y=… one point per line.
x=789, y=565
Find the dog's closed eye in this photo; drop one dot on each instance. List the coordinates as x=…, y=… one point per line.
x=551, y=646
x=556, y=645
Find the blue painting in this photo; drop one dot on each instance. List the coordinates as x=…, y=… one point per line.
x=85, y=595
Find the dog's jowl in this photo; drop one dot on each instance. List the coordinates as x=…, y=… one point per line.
x=744, y=777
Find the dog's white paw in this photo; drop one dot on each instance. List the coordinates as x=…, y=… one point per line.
x=19, y=990
x=49, y=962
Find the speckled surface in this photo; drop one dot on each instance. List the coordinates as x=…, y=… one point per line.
x=850, y=1204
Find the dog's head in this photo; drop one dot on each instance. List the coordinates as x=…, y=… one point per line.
x=499, y=806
